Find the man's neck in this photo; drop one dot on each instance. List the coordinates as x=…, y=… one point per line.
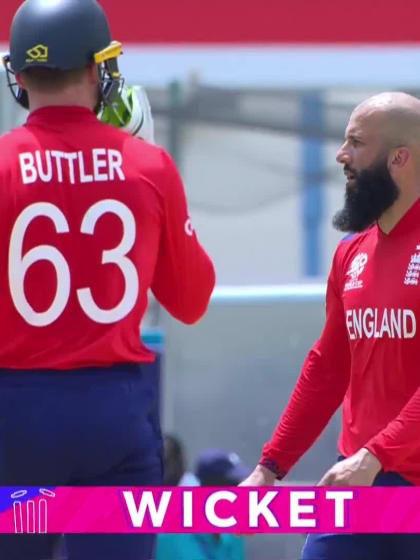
x=401, y=206
x=64, y=99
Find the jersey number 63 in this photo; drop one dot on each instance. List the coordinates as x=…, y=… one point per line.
x=19, y=264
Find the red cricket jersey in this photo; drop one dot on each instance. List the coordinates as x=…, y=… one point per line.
x=368, y=356
x=91, y=218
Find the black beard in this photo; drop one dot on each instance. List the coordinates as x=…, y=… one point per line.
x=372, y=192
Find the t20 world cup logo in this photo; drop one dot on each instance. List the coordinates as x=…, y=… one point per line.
x=357, y=266
x=31, y=516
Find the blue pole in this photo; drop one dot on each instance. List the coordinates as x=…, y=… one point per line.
x=312, y=113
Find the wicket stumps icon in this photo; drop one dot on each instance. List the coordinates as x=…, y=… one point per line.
x=29, y=517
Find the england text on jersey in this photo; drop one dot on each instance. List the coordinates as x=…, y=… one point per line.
x=98, y=164
x=385, y=323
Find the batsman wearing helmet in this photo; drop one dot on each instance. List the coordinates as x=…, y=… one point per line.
x=92, y=217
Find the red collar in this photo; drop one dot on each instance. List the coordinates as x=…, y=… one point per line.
x=61, y=114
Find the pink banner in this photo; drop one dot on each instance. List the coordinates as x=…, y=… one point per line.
x=210, y=510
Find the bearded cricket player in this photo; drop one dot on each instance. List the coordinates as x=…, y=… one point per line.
x=367, y=358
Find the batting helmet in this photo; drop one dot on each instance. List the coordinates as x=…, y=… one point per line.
x=63, y=35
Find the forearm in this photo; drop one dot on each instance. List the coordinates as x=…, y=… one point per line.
x=317, y=395
x=400, y=438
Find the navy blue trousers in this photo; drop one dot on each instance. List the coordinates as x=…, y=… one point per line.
x=86, y=427
x=365, y=546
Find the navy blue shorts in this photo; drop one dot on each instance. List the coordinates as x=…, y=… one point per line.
x=365, y=546
x=85, y=427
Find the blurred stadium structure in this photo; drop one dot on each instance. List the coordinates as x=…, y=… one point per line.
x=262, y=182
x=260, y=170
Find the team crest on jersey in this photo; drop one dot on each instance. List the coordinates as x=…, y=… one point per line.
x=356, y=268
x=412, y=274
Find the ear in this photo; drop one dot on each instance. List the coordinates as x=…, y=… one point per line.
x=399, y=157
x=93, y=75
x=20, y=80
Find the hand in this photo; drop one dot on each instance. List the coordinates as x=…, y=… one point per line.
x=141, y=122
x=130, y=112
x=260, y=476
x=358, y=470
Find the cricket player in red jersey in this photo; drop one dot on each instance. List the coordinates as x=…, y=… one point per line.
x=91, y=219
x=367, y=358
